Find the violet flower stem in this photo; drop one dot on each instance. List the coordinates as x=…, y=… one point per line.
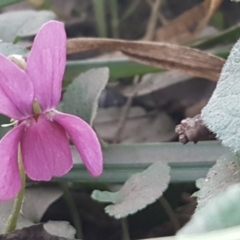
x=125, y=231
x=73, y=210
x=13, y=218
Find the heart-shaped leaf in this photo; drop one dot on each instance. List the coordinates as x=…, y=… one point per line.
x=81, y=97
x=222, y=113
x=15, y=25
x=139, y=191
x=219, y=213
x=8, y=48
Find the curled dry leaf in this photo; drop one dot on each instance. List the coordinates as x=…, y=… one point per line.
x=139, y=126
x=188, y=26
x=173, y=57
x=193, y=129
x=33, y=232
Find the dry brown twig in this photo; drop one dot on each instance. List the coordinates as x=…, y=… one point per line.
x=152, y=23
x=161, y=18
x=124, y=115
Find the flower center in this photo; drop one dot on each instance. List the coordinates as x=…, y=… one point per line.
x=36, y=109
x=18, y=60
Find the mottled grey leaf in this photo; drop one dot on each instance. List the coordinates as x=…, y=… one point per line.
x=81, y=97
x=222, y=113
x=37, y=199
x=8, y=48
x=22, y=23
x=219, y=213
x=139, y=191
x=224, y=173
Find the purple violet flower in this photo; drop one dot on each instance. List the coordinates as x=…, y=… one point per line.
x=30, y=96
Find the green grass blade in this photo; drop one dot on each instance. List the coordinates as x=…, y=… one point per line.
x=5, y=3
x=119, y=68
x=100, y=16
x=230, y=35
x=187, y=162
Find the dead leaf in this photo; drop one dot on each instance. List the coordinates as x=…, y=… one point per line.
x=173, y=57
x=140, y=126
x=152, y=82
x=188, y=26
x=33, y=232
x=36, y=3
x=63, y=8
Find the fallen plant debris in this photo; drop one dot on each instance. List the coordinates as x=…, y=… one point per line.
x=34, y=232
x=193, y=130
x=188, y=26
x=163, y=55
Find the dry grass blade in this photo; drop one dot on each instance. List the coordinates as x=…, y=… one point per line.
x=187, y=26
x=152, y=21
x=173, y=57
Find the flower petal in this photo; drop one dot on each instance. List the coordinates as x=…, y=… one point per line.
x=45, y=149
x=85, y=140
x=10, y=181
x=16, y=90
x=46, y=64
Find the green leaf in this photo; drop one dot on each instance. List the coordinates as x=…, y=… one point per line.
x=99, y=7
x=81, y=97
x=5, y=3
x=119, y=68
x=222, y=113
x=139, y=191
x=8, y=48
x=120, y=161
x=224, y=173
x=15, y=25
x=219, y=213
